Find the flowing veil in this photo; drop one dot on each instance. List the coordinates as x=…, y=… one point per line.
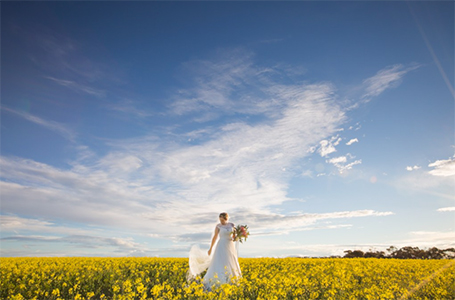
x=199, y=260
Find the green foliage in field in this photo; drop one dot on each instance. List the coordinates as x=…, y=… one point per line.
x=263, y=278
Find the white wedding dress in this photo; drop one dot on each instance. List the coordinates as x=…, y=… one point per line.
x=222, y=264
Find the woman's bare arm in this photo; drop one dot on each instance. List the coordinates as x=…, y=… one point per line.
x=215, y=236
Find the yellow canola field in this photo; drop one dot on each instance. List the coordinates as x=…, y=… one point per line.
x=263, y=278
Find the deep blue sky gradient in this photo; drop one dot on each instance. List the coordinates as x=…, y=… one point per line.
x=93, y=93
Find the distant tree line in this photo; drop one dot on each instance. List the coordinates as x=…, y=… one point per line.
x=404, y=253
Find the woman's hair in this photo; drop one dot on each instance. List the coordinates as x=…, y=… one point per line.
x=224, y=215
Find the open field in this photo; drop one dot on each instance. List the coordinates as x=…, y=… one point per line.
x=263, y=278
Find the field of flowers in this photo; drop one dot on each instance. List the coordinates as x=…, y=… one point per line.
x=263, y=278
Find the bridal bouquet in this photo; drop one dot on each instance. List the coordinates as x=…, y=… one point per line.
x=240, y=233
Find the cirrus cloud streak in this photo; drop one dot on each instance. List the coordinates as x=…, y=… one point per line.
x=151, y=184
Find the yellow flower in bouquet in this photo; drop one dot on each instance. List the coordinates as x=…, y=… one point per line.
x=240, y=233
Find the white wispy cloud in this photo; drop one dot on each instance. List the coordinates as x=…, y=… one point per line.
x=409, y=168
x=130, y=107
x=120, y=245
x=438, y=239
x=384, y=79
x=261, y=220
x=352, y=141
x=272, y=41
x=65, y=61
x=215, y=81
x=145, y=183
x=356, y=127
x=443, y=168
x=97, y=197
x=55, y=52
x=78, y=87
x=10, y=223
x=341, y=162
x=327, y=147
x=284, y=224
x=57, y=127
x=423, y=181
x=231, y=83
x=337, y=160
x=444, y=209
x=82, y=195
x=421, y=239
x=152, y=184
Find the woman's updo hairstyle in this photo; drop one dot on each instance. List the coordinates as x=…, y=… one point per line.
x=224, y=215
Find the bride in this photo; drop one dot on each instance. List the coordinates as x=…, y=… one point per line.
x=222, y=261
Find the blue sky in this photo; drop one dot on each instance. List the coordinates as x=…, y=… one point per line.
x=127, y=127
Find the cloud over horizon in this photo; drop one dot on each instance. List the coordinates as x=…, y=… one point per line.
x=386, y=78
x=142, y=183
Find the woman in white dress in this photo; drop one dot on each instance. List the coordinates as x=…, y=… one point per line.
x=222, y=261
